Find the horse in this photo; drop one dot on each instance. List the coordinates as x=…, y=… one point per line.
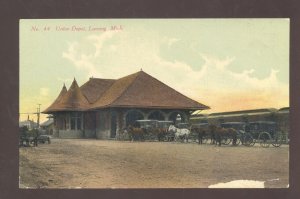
x=24, y=136
x=135, y=133
x=221, y=132
x=204, y=131
x=28, y=136
x=201, y=131
x=179, y=133
x=160, y=133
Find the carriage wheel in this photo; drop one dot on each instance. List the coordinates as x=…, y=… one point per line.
x=264, y=139
x=277, y=141
x=176, y=139
x=204, y=140
x=248, y=140
x=239, y=138
x=253, y=141
x=226, y=140
x=238, y=141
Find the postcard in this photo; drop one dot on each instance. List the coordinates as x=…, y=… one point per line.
x=154, y=103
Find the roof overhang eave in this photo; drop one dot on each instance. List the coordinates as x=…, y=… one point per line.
x=149, y=107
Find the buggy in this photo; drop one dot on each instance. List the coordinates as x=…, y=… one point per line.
x=163, y=131
x=243, y=137
x=265, y=133
x=149, y=128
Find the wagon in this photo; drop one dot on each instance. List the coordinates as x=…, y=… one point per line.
x=183, y=125
x=154, y=129
x=265, y=133
x=163, y=133
x=243, y=137
x=149, y=128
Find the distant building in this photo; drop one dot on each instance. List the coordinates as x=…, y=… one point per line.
x=48, y=126
x=102, y=108
x=29, y=123
x=281, y=117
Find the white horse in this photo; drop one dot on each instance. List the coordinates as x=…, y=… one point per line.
x=179, y=133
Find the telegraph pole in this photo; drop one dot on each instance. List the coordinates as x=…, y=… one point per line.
x=38, y=115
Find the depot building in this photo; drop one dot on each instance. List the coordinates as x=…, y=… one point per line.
x=102, y=108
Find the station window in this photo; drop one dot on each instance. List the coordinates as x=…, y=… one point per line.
x=75, y=121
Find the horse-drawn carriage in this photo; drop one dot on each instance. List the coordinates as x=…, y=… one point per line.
x=265, y=133
x=163, y=131
x=150, y=130
x=197, y=136
x=262, y=132
x=223, y=134
x=183, y=125
x=243, y=137
x=31, y=137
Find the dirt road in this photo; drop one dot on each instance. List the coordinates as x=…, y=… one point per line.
x=74, y=163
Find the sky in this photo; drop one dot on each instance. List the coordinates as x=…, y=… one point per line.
x=227, y=64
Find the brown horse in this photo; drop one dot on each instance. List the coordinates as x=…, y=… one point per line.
x=216, y=133
x=221, y=133
x=161, y=133
x=205, y=130
x=136, y=133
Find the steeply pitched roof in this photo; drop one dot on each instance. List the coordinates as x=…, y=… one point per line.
x=57, y=100
x=144, y=91
x=138, y=90
x=94, y=88
x=116, y=90
x=73, y=100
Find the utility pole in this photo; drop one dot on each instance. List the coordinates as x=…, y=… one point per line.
x=38, y=115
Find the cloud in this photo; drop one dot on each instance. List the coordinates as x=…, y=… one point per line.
x=81, y=61
x=212, y=83
x=64, y=80
x=171, y=41
x=99, y=40
x=44, y=92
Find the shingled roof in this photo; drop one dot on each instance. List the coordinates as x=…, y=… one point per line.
x=57, y=100
x=72, y=100
x=94, y=88
x=138, y=90
x=144, y=91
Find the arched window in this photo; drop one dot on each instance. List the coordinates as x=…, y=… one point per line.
x=177, y=117
x=156, y=115
x=132, y=116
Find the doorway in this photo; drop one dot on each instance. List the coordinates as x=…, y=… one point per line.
x=113, y=125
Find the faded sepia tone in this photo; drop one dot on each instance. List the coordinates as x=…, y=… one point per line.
x=154, y=103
